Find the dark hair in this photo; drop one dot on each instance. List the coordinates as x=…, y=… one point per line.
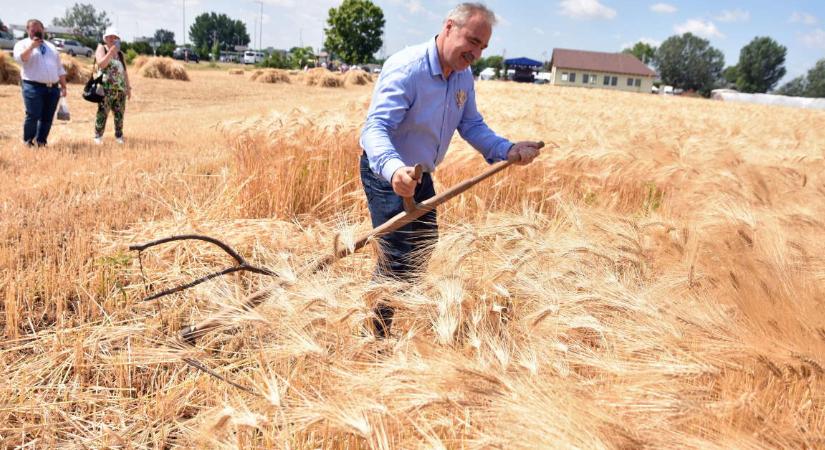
x=31, y=21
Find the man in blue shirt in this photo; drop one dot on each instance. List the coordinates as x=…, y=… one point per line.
x=44, y=82
x=424, y=94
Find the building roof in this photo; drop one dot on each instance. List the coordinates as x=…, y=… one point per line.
x=623, y=63
x=524, y=62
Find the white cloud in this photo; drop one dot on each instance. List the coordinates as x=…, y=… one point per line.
x=736, y=15
x=804, y=18
x=538, y=30
x=586, y=9
x=700, y=28
x=663, y=8
x=815, y=38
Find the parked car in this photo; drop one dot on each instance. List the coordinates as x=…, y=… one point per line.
x=251, y=57
x=7, y=41
x=185, y=54
x=488, y=73
x=72, y=47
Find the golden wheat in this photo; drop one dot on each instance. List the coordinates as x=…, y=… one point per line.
x=646, y=284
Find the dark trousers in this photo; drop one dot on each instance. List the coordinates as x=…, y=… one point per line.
x=405, y=251
x=41, y=104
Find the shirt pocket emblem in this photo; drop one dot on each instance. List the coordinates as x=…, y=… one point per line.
x=460, y=98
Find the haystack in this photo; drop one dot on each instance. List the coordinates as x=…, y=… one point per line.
x=236, y=72
x=9, y=72
x=139, y=61
x=272, y=76
x=166, y=68
x=256, y=74
x=357, y=78
x=322, y=77
x=76, y=72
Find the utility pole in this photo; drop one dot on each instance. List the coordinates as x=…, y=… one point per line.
x=183, y=26
x=260, y=23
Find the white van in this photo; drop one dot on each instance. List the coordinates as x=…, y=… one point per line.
x=251, y=57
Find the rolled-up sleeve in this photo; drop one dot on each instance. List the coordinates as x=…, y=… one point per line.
x=391, y=100
x=473, y=129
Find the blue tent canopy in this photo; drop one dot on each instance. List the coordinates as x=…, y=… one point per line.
x=523, y=62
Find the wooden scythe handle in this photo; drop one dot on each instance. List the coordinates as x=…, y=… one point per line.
x=192, y=333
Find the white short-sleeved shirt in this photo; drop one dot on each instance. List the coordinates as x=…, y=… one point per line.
x=43, y=66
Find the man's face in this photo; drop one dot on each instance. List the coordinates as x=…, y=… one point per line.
x=34, y=28
x=463, y=44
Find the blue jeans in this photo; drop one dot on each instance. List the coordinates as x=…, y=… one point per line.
x=406, y=250
x=41, y=104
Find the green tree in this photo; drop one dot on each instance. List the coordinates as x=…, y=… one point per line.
x=166, y=49
x=642, y=51
x=761, y=65
x=86, y=19
x=730, y=74
x=816, y=80
x=276, y=60
x=795, y=88
x=354, y=32
x=163, y=36
x=300, y=57
x=209, y=28
x=690, y=63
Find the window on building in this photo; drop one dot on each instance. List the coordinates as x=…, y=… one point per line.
x=614, y=81
x=630, y=81
x=607, y=80
x=638, y=82
x=564, y=76
x=573, y=77
x=586, y=78
x=592, y=78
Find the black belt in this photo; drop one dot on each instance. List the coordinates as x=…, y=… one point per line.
x=37, y=83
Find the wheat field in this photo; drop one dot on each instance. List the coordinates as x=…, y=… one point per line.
x=655, y=280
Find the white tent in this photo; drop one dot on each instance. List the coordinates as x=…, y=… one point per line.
x=729, y=95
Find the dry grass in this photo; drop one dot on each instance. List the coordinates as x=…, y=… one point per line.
x=76, y=71
x=9, y=72
x=163, y=68
x=655, y=284
x=236, y=72
x=322, y=77
x=357, y=78
x=270, y=76
x=140, y=61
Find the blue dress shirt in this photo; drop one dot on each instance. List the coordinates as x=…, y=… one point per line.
x=415, y=111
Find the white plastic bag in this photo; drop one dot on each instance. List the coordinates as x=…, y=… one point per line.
x=63, y=110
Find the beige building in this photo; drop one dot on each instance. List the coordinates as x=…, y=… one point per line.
x=619, y=71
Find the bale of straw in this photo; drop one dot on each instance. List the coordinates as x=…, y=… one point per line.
x=139, y=61
x=256, y=74
x=236, y=72
x=76, y=72
x=164, y=68
x=9, y=72
x=357, y=78
x=273, y=76
x=322, y=77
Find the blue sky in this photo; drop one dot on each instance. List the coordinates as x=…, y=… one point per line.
x=527, y=28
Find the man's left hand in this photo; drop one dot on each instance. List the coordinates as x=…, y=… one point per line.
x=523, y=153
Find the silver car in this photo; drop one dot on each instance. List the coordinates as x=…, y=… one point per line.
x=72, y=47
x=7, y=41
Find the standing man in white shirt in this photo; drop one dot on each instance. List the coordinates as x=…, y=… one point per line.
x=42, y=74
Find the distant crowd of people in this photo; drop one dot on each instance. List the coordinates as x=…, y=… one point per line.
x=43, y=82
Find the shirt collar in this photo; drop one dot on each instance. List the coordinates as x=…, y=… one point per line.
x=432, y=54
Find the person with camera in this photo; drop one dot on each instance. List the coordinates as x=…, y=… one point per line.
x=116, y=86
x=43, y=82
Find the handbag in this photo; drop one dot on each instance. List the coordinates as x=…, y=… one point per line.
x=93, y=91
